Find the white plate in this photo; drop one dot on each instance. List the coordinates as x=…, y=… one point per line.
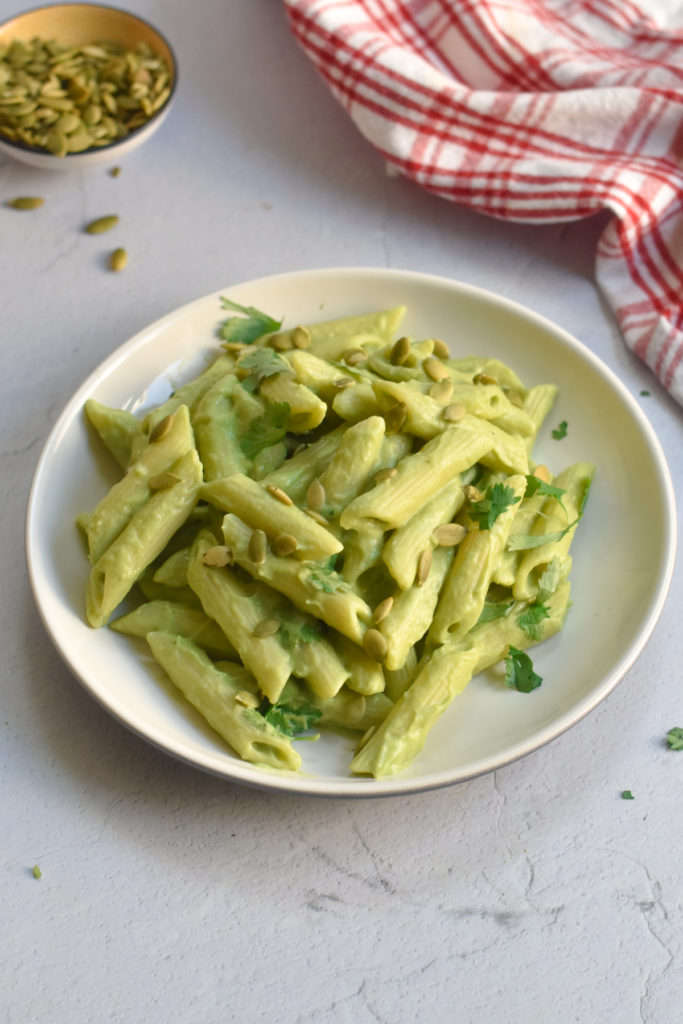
x=623, y=553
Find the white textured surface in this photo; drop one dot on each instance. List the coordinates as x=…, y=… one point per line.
x=535, y=894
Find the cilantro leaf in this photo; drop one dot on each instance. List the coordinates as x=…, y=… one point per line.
x=531, y=618
x=560, y=431
x=534, y=485
x=524, y=541
x=519, y=671
x=645, y=393
x=309, y=634
x=675, y=738
x=494, y=610
x=266, y=430
x=246, y=329
x=290, y=637
x=626, y=794
x=498, y=497
x=549, y=580
x=261, y=363
x=289, y=719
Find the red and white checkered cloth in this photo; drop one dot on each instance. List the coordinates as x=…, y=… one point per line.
x=532, y=110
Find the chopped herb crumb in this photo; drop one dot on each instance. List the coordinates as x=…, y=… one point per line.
x=560, y=431
x=626, y=794
x=645, y=393
x=675, y=738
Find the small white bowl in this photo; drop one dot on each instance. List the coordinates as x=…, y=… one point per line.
x=77, y=24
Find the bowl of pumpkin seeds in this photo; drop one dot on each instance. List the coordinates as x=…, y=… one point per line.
x=81, y=84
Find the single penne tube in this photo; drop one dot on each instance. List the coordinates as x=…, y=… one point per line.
x=173, y=570
x=538, y=401
x=464, y=591
x=315, y=373
x=407, y=542
x=553, y=519
x=295, y=476
x=507, y=453
x=143, y=539
x=216, y=429
x=309, y=586
x=320, y=664
x=238, y=609
x=356, y=402
x=306, y=410
x=217, y=697
x=261, y=510
x=115, y=511
x=331, y=338
x=418, y=477
x=413, y=610
x=187, y=394
x=494, y=639
x=116, y=428
x=349, y=469
x=401, y=736
x=179, y=620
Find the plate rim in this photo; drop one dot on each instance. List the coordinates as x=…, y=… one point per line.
x=357, y=786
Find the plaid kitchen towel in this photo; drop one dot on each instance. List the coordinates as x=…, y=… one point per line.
x=537, y=111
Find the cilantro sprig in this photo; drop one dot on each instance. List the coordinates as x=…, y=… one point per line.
x=519, y=671
x=534, y=485
x=290, y=719
x=493, y=610
x=261, y=363
x=265, y=430
x=498, y=497
x=246, y=329
x=525, y=541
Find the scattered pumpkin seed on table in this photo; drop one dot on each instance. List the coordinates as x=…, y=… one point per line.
x=68, y=99
x=102, y=224
x=25, y=202
x=118, y=259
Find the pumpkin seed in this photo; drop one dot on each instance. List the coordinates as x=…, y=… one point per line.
x=278, y=493
x=354, y=356
x=375, y=645
x=257, y=548
x=284, y=544
x=484, y=378
x=449, y=534
x=162, y=481
x=246, y=699
x=454, y=413
x=441, y=349
x=382, y=610
x=395, y=417
x=118, y=259
x=385, y=474
x=343, y=382
x=301, y=337
x=266, y=627
x=400, y=352
x=434, y=368
x=25, y=202
x=217, y=556
x=424, y=565
x=102, y=224
x=543, y=473
x=161, y=429
x=315, y=495
x=316, y=516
